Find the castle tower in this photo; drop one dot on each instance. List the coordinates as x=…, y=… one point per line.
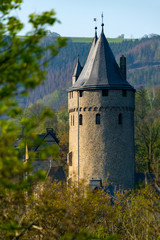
x=101, y=120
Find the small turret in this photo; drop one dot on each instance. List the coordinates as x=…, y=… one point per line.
x=77, y=71
x=123, y=66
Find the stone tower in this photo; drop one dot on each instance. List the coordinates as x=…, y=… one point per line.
x=101, y=120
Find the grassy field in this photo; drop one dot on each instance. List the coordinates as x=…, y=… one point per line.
x=88, y=40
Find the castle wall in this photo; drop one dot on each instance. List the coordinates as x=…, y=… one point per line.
x=106, y=151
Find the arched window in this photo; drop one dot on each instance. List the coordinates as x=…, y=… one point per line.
x=80, y=119
x=98, y=119
x=120, y=118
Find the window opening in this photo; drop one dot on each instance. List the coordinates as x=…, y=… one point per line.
x=73, y=120
x=98, y=119
x=120, y=118
x=81, y=93
x=80, y=119
x=105, y=92
x=70, y=159
x=124, y=93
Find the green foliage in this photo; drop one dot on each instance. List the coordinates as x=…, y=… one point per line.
x=147, y=131
x=58, y=212
x=22, y=67
x=31, y=209
x=55, y=100
x=84, y=235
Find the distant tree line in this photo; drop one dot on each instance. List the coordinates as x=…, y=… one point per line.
x=143, y=66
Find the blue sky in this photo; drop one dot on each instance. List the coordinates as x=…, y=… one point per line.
x=134, y=18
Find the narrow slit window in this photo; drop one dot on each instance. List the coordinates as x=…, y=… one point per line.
x=70, y=159
x=98, y=119
x=80, y=119
x=120, y=118
x=73, y=120
x=105, y=92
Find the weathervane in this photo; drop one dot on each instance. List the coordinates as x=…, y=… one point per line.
x=102, y=21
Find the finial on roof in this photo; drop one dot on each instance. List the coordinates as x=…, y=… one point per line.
x=95, y=20
x=102, y=21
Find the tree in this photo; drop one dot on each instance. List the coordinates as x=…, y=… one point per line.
x=147, y=132
x=22, y=67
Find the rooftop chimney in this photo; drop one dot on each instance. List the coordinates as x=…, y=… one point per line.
x=123, y=66
x=50, y=130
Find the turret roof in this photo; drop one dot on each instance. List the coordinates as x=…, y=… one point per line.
x=78, y=69
x=101, y=70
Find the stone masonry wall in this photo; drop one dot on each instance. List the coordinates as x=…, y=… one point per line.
x=106, y=151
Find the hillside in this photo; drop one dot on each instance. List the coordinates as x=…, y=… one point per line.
x=143, y=66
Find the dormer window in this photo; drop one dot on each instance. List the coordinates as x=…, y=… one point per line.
x=105, y=92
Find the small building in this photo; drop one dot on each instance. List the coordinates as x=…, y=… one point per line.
x=53, y=168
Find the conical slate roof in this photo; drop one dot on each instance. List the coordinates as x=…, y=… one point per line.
x=101, y=70
x=78, y=69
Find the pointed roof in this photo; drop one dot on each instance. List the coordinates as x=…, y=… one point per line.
x=49, y=137
x=78, y=69
x=101, y=70
x=57, y=174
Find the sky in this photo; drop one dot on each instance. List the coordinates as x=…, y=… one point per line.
x=133, y=18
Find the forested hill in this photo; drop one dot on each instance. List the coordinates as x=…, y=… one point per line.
x=143, y=66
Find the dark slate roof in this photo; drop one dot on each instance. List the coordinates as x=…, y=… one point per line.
x=78, y=69
x=44, y=138
x=57, y=174
x=101, y=69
